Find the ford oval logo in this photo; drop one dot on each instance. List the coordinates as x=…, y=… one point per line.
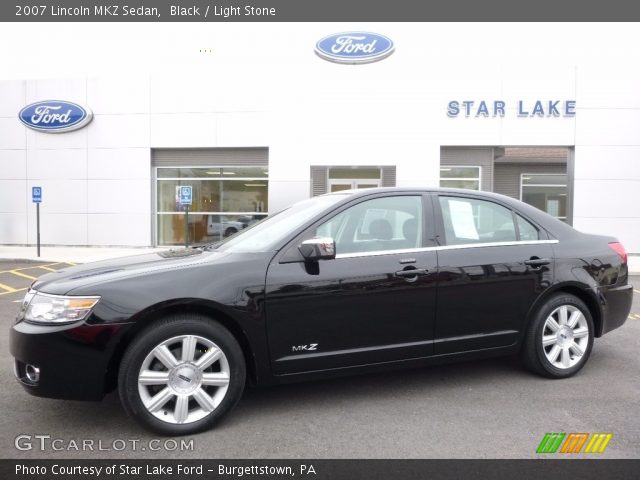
x=55, y=116
x=354, y=47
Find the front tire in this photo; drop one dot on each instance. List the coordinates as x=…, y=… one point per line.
x=181, y=375
x=559, y=339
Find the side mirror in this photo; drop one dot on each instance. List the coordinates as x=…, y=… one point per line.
x=320, y=248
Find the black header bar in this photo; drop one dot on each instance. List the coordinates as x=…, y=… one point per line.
x=319, y=11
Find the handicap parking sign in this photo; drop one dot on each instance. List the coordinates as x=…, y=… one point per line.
x=186, y=195
x=36, y=194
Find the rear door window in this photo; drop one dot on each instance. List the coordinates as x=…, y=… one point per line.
x=470, y=220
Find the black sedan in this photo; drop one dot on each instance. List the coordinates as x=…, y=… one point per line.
x=343, y=283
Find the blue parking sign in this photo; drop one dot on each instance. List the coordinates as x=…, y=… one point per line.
x=36, y=194
x=186, y=195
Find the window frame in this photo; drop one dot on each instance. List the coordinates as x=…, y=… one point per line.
x=543, y=236
x=478, y=179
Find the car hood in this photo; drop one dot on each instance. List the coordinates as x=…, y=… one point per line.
x=63, y=281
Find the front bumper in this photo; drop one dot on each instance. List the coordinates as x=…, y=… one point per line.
x=616, y=306
x=72, y=360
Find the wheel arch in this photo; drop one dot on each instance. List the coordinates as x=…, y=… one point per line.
x=182, y=306
x=577, y=290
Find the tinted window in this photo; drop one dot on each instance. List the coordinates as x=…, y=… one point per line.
x=388, y=223
x=527, y=231
x=468, y=220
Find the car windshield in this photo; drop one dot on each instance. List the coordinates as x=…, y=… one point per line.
x=267, y=234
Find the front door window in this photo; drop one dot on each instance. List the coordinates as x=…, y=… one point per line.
x=380, y=224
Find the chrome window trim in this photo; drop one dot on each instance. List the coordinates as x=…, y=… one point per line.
x=443, y=247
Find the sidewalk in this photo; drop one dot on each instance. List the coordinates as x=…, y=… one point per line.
x=93, y=254
x=71, y=254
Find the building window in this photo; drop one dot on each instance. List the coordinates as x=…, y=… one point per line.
x=452, y=176
x=326, y=179
x=545, y=191
x=225, y=200
x=347, y=178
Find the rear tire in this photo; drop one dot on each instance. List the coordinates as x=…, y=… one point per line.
x=181, y=375
x=559, y=338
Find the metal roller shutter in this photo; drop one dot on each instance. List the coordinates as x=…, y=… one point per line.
x=389, y=176
x=319, y=180
x=206, y=157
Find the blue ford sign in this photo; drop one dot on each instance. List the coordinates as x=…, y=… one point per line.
x=55, y=116
x=354, y=47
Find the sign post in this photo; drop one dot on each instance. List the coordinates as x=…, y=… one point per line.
x=186, y=198
x=36, y=197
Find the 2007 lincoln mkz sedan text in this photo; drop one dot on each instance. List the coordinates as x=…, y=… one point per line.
x=343, y=283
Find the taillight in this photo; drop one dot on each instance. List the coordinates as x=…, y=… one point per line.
x=619, y=249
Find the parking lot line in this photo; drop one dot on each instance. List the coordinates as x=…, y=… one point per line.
x=44, y=267
x=637, y=291
x=23, y=275
x=36, y=266
x=14, y=290
x=7, y=288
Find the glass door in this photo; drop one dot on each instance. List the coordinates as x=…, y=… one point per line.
x=350, y=178
x=339, y=185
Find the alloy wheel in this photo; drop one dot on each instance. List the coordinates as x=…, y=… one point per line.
x=183, y=379
x=565, y=336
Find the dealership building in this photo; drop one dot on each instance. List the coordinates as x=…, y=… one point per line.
x=252, y=130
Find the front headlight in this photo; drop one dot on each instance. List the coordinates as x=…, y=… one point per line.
x=57, y=309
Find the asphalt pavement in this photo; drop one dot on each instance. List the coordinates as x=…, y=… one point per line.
x=481, y=409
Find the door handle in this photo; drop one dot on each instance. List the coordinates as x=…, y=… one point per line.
x=412, y=272
x=537, y=262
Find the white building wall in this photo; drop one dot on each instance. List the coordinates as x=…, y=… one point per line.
x=607, y=170
x=95, y=181
x=262, y=86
